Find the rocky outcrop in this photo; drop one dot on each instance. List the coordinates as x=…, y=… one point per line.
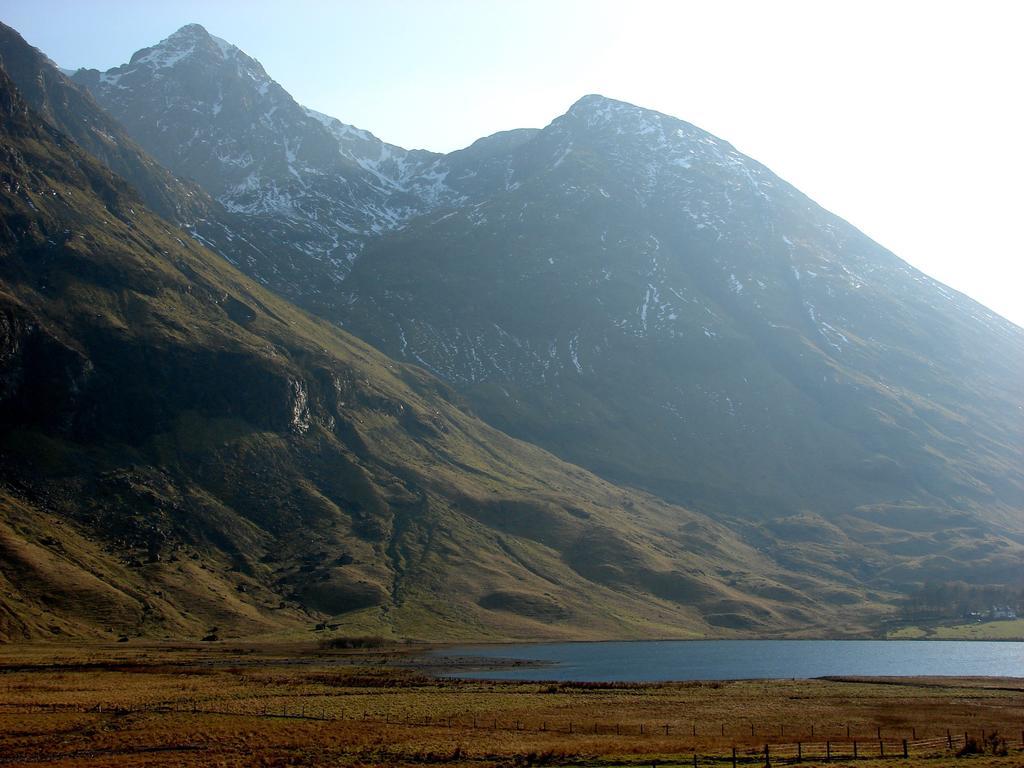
x=42, y=380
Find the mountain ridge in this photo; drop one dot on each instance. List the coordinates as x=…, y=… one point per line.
x=187, y=455
x=820, y=424
x=319, y=182
x=705, y=199
x=728, y=289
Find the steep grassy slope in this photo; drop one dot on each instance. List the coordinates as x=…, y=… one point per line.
x=181, y=450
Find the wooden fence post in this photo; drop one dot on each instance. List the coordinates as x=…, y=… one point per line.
x=854, y=749
x=906, y=753
x=828, y=751
x=949, y=739
x=881, y=748
x=734, y=756
x=767, y=757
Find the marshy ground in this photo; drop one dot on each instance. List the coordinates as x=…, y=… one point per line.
x=240, y=705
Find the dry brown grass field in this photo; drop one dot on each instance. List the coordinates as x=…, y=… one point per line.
x=233, y=705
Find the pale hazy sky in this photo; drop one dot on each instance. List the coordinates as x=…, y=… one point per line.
x=904, y=118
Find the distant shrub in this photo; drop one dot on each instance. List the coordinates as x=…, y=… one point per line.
x=970, y=747
x=990, y=743
x=608, y=685
x=336, y=643
x=392, y=679
x=996, y=744
x=538, y=758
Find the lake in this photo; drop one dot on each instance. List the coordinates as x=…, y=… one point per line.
x=741, y=659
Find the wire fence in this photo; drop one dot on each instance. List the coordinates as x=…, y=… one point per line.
x=774, y=749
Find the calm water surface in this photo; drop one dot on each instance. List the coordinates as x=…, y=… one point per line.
x=744, y=659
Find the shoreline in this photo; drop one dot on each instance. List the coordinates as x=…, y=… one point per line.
x=197, y=706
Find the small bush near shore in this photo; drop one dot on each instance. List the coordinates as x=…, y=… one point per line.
x=337, y=643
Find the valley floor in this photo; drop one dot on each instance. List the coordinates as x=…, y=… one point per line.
x=235, y=705
x=989, y=630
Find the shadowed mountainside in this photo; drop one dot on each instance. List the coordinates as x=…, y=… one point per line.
x=638, y=297
x=184, y=451
x=823, y=426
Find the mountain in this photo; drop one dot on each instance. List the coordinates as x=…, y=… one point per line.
x=259, y=246
x=73, y=111
x=645, y=301
x=304, y=180
x=211, y=113
x=185, y=454
x=638, y=297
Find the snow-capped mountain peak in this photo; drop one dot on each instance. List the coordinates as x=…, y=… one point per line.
x=191, y=31
x=210, y=112
x=190, y=40
x=594, y=104
x=601, y=115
